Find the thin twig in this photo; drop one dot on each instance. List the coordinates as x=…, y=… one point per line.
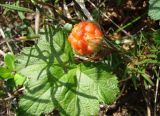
x=84, y=9
x=156, y=93
x=37, y=21
x=54, y=11
x=147, y=101
x=2, y=53
x=155, y=98
x=3, y=42
x=66, y=11
x=3, y=35
x=12, y=96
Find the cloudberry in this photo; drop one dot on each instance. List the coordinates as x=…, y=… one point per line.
x=85, y=38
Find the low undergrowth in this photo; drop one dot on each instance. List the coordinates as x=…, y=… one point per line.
x=41, y=74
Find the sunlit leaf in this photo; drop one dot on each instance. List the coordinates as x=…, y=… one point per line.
x=154, y=8
x=5, y=73
x=55, y=82
x=19, y=79
x=9, y=61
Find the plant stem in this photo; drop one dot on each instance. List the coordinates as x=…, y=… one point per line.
x=145, y=95
x=128, y=24
x=156, y=92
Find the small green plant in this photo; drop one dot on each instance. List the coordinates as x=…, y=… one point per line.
x=11, y=81
x=56, y=81
x=7, y=72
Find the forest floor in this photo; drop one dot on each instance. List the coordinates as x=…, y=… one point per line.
x=118, y=20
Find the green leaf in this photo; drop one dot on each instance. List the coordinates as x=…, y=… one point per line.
x=154, y=9
x=147, y=61
x=5, y=73
x=146, y=77
x=9, y=61
x=15, y=7
x=51, y=48
x=85, y=88
x=134, y=81
x=19, y=79
x=54, y=82
x=156, y=36
x=78, y=92
x=39, y=96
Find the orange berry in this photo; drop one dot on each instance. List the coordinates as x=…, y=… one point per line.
x=74, y=44
x=90, y=27
x=82, y=24
x=80, y=33
x=98, y=32
x=85, y=38
x=82, y=44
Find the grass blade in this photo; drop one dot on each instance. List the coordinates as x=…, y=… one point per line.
x=14, y=7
